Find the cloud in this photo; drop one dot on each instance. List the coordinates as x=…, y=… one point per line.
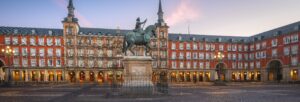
x=83, y=21
x=184, y=12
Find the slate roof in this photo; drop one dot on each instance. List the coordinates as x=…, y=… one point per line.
x=31, y=31
x=102, y=31
x=172, y=36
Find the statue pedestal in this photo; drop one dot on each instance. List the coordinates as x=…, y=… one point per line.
x=137, y=75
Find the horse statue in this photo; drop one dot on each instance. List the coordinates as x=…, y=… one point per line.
x=138, y=38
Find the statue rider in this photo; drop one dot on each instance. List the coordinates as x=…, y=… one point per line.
x=138, y=26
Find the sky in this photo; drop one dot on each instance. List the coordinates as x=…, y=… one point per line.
x=206, y=17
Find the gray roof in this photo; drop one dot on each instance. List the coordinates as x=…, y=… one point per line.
x=30, y=31
x=172, y=36
x=102, y=31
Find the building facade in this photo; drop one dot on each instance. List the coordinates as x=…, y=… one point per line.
x=78, y=54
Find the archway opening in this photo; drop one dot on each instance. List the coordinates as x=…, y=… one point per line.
x=72, y=76
x=274, y=71
x=82, y=76
x=100, y=77
x=220, y=69
x=2, y=71
x=92, y=77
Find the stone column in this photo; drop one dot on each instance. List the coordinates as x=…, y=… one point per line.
x=264, y=75
x=286, y=76
x=46, y=76
x=55, y=76
x=26, y=75
x=77, y=76
x=228, y=75
x=87, y=76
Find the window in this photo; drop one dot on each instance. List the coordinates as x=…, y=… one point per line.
x=274, y=53
x=181, y=46
x=16, y=62
x=294, y=61
x=251, y=47
x=91, y=52
x=41, y=41
x=188, y=65
x=50, y=63
x=234, y=56
x=229, y=56
x=163, y=64
x=212, y=47
x=201, y=56
x=257, y=55
x=154, y=64
x=42, y=52
x=201, y=46
x=246, y=65
x=221, y=47
x=100, y=53
x=245, y=48
x=228, y=47
x=15, y=41
x=195, y=55
x=24, y=51
x=274, y=42
x=42, y=62
x=264, y=45
x=162, y=34
x=295, y=49
x=258, y=46
x=181, y=55
x=234, y=48
x=80, y=63
x=181, y=65
x=195, y=65
x=100, y=63
x=32, y=41
x=57, y=42
x=201, y=65
x=207, y=56
x=207, y=47
x=33, y=52
x=23, y=41
x=173, y=55
x=33, y=62
x=80, y=52
x=207, y=65
x=50, y=52
x=24, y=62
x=240, y=57
x=240, y=48
x=252, y=65
x=69, y=30
x=58, y=63
x=70, y=62
x=286, y=51
x=109, y=53
x=188, y=55
x=58, y=52
x=70, y=52
x=91, y=63
x=7, y=40
x=195, y=46
x=246, y=56
x=287, y=40
x=233, y=65
x=188, y=46
x=240, y=65
x=173, y=64
x=16, y=51
x=49, y=42
x=294, y=38
x=257, y=64
x=173, y=46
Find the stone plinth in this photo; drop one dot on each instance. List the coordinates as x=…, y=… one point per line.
x=137, y=75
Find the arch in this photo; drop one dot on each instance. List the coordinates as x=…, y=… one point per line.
x=92, y=76
x=100, y=77
x=220, y=68
x=72, y=77
x=222, y=64
x=82, y=76
x=274, y=70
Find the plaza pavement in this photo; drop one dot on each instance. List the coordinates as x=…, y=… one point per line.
x=177, y=93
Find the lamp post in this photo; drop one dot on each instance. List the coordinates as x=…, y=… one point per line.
x=219, y=57
x=7, y=51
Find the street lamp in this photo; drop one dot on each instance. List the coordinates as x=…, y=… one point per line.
x=219, y=57
x=7, y=51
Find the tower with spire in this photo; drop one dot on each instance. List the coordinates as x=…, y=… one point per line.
x=70, y=23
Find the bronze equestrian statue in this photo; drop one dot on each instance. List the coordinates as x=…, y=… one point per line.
x=139, y=37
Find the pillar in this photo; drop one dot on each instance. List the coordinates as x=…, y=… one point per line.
x=286, y=76
x=264, y=75
x=55, y=75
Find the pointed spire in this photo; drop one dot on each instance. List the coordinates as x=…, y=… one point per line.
x=71, y=9
x=71, y=14
x=160, y=14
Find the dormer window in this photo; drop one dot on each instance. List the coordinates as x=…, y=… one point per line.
x=179, y=38
x=194, y=39
x=80, y=33
x=219, y=39
x=16, y=31
x=50, y=32
x=33, y=31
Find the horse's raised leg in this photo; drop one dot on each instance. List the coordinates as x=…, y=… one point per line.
x=130, y=45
